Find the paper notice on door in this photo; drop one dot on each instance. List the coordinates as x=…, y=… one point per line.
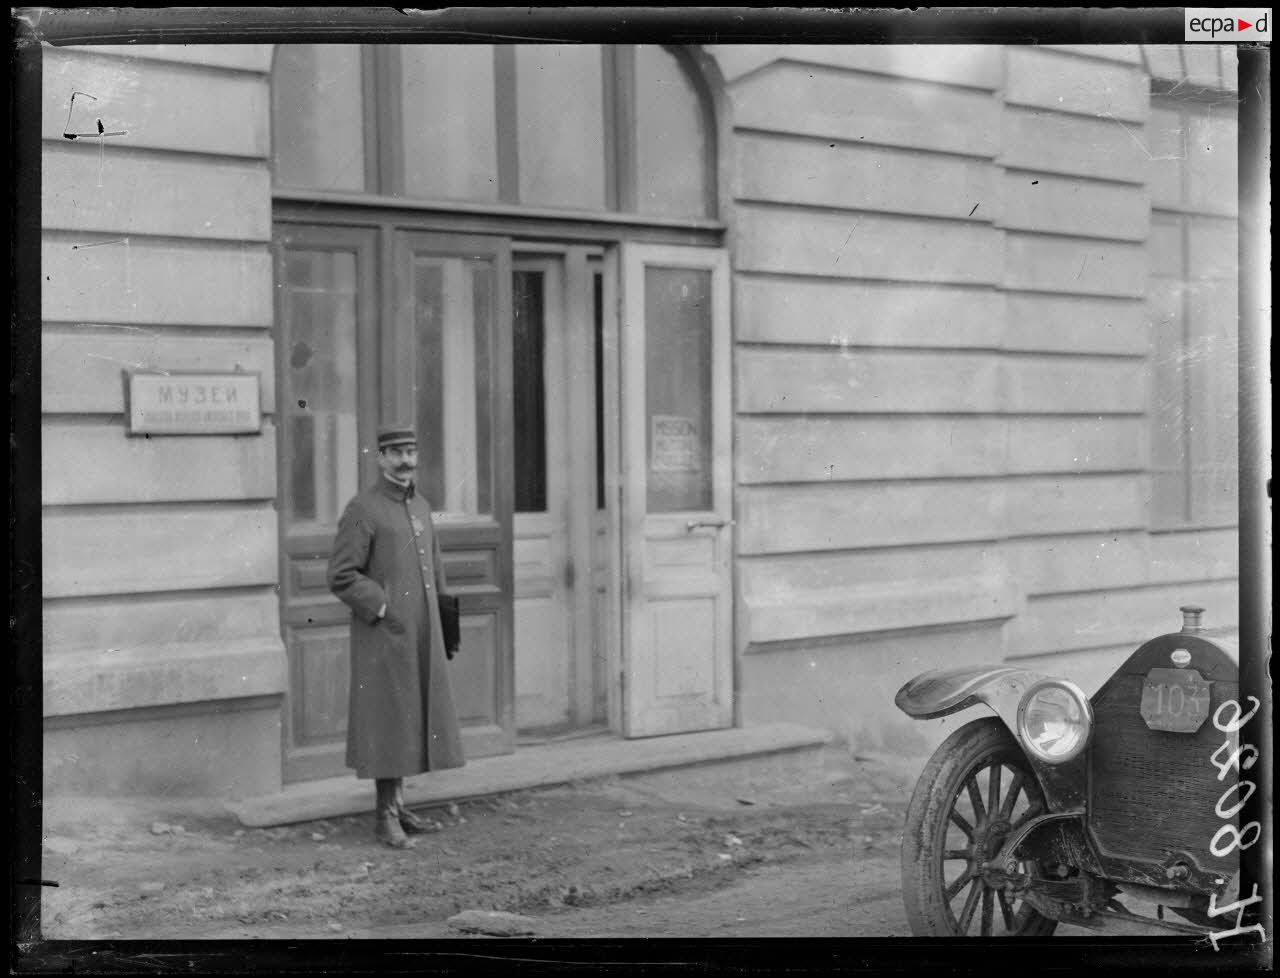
x=674, y=444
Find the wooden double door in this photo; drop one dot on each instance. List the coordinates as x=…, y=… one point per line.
x=580, y=481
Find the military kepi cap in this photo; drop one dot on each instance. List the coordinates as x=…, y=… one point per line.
x=396, y=434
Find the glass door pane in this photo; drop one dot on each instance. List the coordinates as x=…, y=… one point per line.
x=318, y=404
x=527, y=296
x=453, y=305
x=677, y=304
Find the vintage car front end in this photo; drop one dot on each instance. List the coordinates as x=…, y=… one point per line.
x=1154, y=790
x=1065, y=808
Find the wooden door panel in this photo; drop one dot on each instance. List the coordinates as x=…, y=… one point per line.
x=449, y=369
x=677, y=491
x=483, y=716
x=358, y=321
x=545, y=514
x=544, y=643
x=317, y=613
x=604, y=641
x=322, y=676
x=687, y=624
x=535, y=564
x=310, y=574
x=473, y=673
x=465, y=566
x=479, y=673
x=326, y=335
x=689, y=552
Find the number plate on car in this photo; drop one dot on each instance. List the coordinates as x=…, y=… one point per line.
x=1175, y=699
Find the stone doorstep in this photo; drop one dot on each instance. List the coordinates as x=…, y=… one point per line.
x=537, y=766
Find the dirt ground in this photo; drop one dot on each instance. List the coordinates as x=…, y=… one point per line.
x=664, y=854
x=764, y=850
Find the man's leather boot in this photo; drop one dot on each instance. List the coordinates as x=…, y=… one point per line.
x=410, y=822
x=386, y=818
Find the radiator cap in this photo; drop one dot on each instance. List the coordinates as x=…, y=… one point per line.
x=1191, y=618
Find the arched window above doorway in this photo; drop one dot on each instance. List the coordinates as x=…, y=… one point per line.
x=318, y=117
x=673, y=138
x=612, y=128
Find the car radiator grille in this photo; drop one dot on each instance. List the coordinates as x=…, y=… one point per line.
x=1152, y=792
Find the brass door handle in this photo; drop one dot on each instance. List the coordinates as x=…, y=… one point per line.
x=713, y=524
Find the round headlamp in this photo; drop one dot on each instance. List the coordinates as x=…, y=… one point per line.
x=1055, y=720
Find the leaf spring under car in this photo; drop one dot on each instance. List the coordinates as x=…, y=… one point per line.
x=1086, y=901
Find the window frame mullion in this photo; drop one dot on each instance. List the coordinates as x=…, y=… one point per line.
x=387, y=119
x=369, y=95
x=506, y=120
x=620, y=125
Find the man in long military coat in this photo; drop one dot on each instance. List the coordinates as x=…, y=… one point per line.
x=386, y=566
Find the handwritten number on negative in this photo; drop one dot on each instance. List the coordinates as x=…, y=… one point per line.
x=102, y=131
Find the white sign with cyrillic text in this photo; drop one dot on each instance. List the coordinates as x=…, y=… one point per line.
x=194, y=404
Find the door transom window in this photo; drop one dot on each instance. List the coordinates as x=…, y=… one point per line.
x=614, y=128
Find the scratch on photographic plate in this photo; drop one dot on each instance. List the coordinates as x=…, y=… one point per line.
x=98, y=244
x=101, y=132
x=128, y=259
x=136, y=329
x=126, y=363
x=1143, y=146
x=848, y=237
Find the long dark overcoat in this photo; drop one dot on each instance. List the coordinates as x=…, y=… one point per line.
x=401, y=720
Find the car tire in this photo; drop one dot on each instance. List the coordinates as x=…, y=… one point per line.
x=944, y=894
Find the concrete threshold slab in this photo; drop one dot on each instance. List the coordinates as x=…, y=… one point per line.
x=537, y=766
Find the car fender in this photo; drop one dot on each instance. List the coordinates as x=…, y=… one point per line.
x=941, y=692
